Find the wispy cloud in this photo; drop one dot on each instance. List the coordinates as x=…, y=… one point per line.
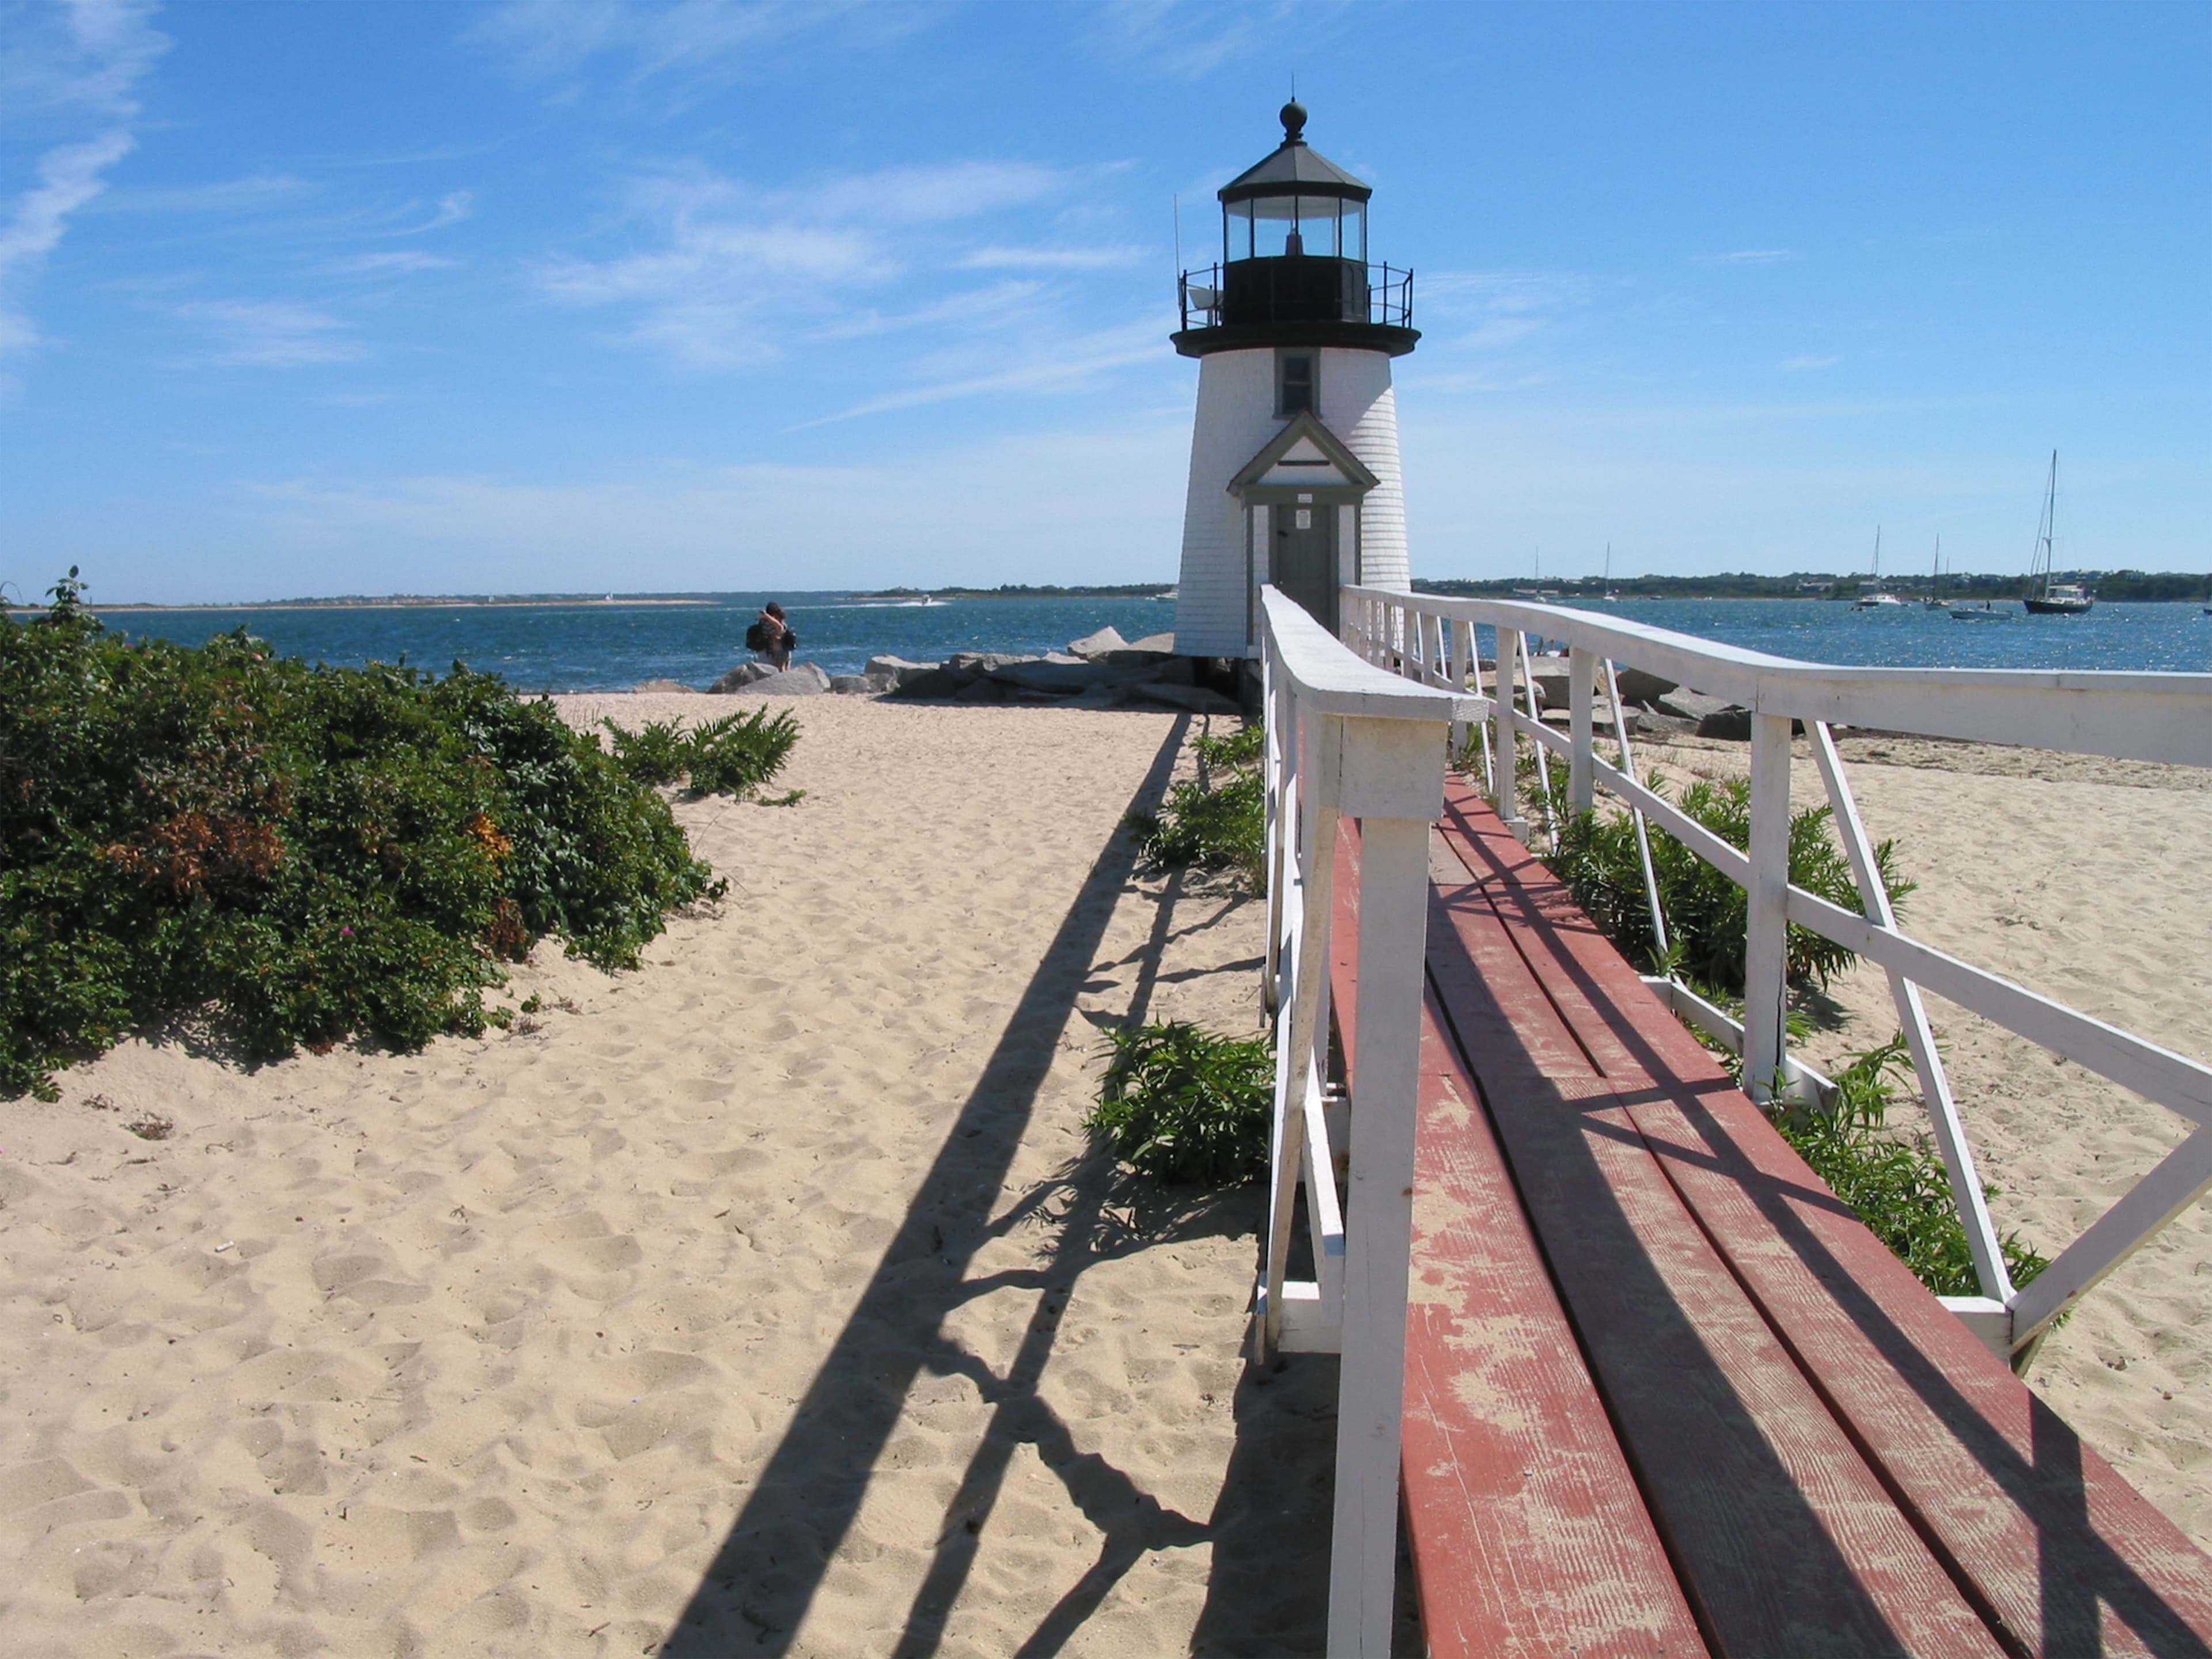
x=1505, y=308
x=686, y=48
x=1059, y=364
x=1798, y=365
x=1188, y=39
x=737, y=270
x=397, y=262
x=83, y=57
x=1048, y=259
x=268, y=334
x=452, y=210
x=1749, y=256
x=248, y=194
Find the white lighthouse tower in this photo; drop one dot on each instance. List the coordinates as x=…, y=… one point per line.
x=1294, y=458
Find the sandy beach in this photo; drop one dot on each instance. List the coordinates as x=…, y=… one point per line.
x=770, y=1299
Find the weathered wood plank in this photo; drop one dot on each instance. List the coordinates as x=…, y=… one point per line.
x=1529, y=1536
x=1787, y=1542
x=2061, y=1553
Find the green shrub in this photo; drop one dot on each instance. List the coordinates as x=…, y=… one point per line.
x=1219, y=820
x=657, y=752
x=737, y=754
x=1596, y=857
x=1180, y=1103
x=1899, y=1188
x=278, y=854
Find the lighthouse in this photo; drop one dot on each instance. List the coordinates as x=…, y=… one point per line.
x=1294, y=476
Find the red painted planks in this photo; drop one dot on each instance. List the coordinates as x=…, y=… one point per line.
x=2062, y=1554
x=1529, y=1536
x=1786, y=1541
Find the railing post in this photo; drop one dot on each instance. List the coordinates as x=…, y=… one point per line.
x=1582, y=685
x=1766, y=939
x=1504, y=752
x=1393, y=781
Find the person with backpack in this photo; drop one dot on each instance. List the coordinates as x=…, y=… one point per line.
x=770, y=637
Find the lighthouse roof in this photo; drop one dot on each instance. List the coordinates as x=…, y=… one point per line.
x=1295, y=169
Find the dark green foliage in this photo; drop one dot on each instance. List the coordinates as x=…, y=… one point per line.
x=1180, y=1103
x=738, y=753
x=732, y=756
x=1219, y=820
x=1705, y=911
x=1898, y=1189
x=276, y=855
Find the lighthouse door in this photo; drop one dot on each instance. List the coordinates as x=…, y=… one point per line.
x=1304, y=563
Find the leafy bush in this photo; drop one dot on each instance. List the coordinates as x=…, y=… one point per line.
x=1214, y=822
x=1899, y=1188
x=1705, y=911
x=732, y=756
x=279, y=855
x=1180, y=1103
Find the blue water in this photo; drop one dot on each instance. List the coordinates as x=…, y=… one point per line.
x=612, y=646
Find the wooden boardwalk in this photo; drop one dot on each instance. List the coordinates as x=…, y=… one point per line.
x=1664, y=1395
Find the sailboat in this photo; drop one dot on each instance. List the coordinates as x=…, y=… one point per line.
x=1873, y=596
x=2044, y=597
x=1936, y=601
x=1610, y=597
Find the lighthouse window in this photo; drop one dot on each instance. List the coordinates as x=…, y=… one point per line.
x=1294, y=384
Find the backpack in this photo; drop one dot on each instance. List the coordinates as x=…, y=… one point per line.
x=756, y=635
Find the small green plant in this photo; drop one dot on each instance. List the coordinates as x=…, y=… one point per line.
x=737, y=754
x=1899, y=1187
x=1705, y=911
x=1182, y=1103
x=1217, y=821
x=657, y=752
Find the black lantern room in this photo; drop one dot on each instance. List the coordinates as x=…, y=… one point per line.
x=1294, y=268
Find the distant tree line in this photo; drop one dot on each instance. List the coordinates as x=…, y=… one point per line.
x=2117, y=585
x=1026, y=591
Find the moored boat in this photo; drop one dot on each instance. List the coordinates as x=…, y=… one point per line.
x=2046, y=597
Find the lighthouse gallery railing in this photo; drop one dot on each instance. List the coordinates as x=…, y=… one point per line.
x=1432, y=640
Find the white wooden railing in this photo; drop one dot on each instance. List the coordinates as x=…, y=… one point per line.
x=2153, y=717
x=1347, y=739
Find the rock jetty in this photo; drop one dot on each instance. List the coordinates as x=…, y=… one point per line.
x=1100, y=671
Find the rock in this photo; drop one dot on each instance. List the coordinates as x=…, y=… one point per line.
x=1092, y=646
x=863, y=685
x=803, y=679
x=899, y=668
x=1637, y=686
x=663, y=685
x=981, y=692
x=982, y=662
x=1731, y=723
x=1045, y=676
x=1161, y=645
x=1198, y=699
x=1690, y=705
x=941, y=682
x=740, y=677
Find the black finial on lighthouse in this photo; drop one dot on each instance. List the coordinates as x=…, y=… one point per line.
x=1294, y=123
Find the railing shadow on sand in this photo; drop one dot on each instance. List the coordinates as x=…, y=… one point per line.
x=754, y=1595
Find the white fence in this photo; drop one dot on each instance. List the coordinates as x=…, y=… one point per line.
x=2153, y=717
x=1346, y=738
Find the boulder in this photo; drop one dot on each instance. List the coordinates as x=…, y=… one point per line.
x=981, y=691
x=740, y=677
x=1092, y=646
x=863, y=685
x=982, y=662
x=1690, y=705
x=1637, y=686
x=1733, y=725
x=940, y=681
x=663, y=685
x=802, y=679
x=1198, y=699
x=899, y=670
x=1161, y=645
x=1046, y=676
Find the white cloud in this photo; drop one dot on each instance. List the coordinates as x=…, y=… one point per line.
x=398, y=263
x=245, y=195
x=452, y=210
x=1505, y=308
x=268, y=334
x=1750, y=256
x=1798, y=365
x=1048, y=259
x=1058, y=364
x=1188, y=39
x=69, y=177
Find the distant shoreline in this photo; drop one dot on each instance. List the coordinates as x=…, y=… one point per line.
x=409, y=603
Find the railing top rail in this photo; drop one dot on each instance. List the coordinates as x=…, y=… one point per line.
x=1331, y=680
x=2128, y=715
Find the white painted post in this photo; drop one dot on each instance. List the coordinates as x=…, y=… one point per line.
x=1765, y=941
x=1394, y=781
x=1503, y=751
x=1582, y=677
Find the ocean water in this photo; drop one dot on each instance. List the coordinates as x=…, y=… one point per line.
x=614, y=645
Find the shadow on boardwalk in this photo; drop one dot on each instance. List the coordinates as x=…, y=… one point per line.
x=1269, y=1533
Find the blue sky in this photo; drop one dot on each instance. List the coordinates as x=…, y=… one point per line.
x=570, y=294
